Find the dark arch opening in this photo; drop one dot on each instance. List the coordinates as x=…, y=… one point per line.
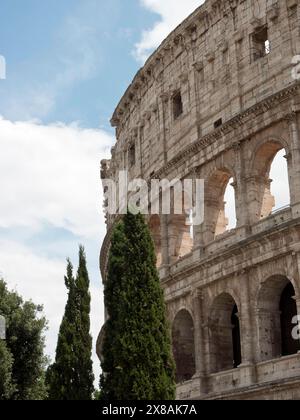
x=225, y=340
x=288, y=310
x=236, y=338
x=276, y=310
x=184, y=346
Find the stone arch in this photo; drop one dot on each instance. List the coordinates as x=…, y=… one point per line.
x=267, y=147
x=261, y=199
x=216, y=221
x=181, y=239
x=155, y=229
x=184, y=346
x=276, y=308
x=225, y=334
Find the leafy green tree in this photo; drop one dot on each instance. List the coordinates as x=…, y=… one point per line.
x=25, y=345
x=7, y=387
x=138, y=362
x=71, y=376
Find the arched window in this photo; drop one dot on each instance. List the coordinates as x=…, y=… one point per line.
x=225, y=336
x=280, y=181
x=276, y=310
x=269, y=189
x=184, y=346
x=220, y=204
x=230, y=206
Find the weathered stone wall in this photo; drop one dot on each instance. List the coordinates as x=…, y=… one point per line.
x=217, y=101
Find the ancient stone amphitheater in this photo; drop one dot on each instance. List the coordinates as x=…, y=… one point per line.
x=217, y=101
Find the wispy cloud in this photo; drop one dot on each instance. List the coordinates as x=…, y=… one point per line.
x=51, y=174
x=171, y=14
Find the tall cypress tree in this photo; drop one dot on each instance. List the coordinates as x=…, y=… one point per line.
x=85, y=376
x=138, y=363
x=61, y=376
x=71, y=376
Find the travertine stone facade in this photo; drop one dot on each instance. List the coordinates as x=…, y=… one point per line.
x=217, y=101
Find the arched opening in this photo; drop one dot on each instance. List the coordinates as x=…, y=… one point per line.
x=230, y=205
x=276, y=310
x=155, y=229
x=220, y=204
x=181, y=234
x=225, y=334
x=270, y=189
x=184, y=346
x=288, y=310
x=280, y=181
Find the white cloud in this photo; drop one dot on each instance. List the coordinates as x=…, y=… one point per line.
x=171, y=15
x=50, y=174
x=50, y=179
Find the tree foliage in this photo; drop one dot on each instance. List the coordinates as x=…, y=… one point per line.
x=71, y=376
x=7, y=387
x=22, y=355
x=138, y=362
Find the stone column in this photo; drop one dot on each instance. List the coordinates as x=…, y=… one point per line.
x=240, y=190
x=198, y=226
x=164, y=245
x=260, y=202
x=207, y=232
x=164, y=107
x=199, y=340
x=294, y=161
x=247, y=324
x=140, y=145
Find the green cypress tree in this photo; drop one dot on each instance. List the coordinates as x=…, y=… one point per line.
x=85, y=376
x=71, y=376
x=138, y=362
x=61, y=376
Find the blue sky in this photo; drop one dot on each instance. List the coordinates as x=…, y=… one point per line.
x=76, y=53
x=68, y=64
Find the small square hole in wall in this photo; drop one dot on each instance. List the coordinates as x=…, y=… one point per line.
x=177, y=105
x=218, y=123
x=260, y=43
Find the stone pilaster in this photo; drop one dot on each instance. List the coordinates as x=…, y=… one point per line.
x=164, y=246
x=201, y=366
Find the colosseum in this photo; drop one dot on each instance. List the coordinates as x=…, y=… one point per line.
x=218, y=101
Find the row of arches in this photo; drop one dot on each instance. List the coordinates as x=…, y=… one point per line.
x=275, y=313
x=268, y=190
